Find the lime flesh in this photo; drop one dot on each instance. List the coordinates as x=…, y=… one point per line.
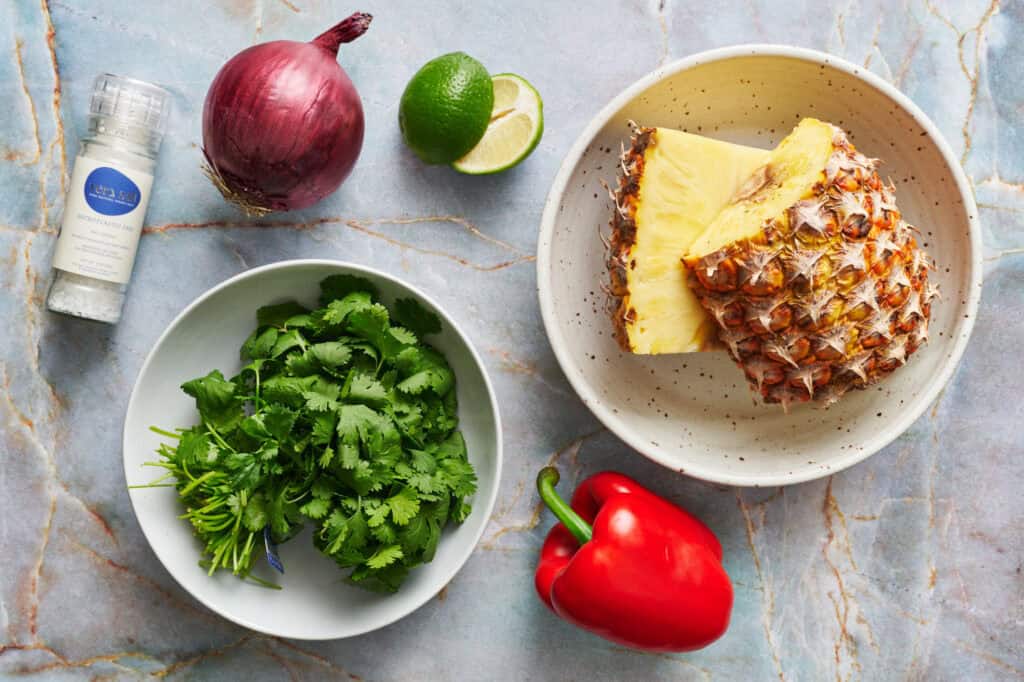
x=516, y=126
x=446, y=107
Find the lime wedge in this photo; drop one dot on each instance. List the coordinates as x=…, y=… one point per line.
x=517, y=122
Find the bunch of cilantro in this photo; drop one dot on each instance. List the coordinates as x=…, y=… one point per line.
x=342, y=417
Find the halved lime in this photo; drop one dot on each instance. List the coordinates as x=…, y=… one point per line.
x=445, y=108
x=517, y=122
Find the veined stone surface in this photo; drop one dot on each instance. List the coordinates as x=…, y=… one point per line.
x=907, y=566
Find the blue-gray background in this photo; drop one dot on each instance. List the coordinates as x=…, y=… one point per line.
x=907, y=566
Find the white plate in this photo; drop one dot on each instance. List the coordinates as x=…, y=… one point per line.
x=314, y=603
x=694, y=413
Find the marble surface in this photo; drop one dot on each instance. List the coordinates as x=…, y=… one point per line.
x=907, y=566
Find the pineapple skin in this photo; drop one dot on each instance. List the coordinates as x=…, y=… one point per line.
x=829, y=296
x=623, y=236
x=671, y=186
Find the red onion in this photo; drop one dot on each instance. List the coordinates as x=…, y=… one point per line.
x=282, y=122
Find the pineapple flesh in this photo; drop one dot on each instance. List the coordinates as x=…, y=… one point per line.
x=815, y=282
x=673, y=185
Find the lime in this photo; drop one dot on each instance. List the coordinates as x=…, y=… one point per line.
x=446, y=107
x=517, y=122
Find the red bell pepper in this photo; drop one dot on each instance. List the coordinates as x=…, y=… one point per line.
x=631, y=567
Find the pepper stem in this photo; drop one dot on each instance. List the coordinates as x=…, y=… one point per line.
x=547, y=479
x=344, y=32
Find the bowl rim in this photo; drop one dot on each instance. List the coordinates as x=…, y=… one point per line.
x=485, y=509
x=549, y=218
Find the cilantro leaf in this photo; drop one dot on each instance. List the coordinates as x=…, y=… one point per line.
x=216, y=400
x=337, y=287
x=324, y=424
x=403, y=336
x=286, y=341
x=460, y=511
x=373, y=324
x=287, y=390
x=378, y=514
x=385, y=533
x=322, y=488
x=331, y=354
x=366, y=389
x=278, y=421
x=416, y=536
x=452, y=446
x=284, y=515
x=274, y=422
x=301, y=364
x=196, y=450
x=316, y=508
x=278, y=315
x=386, y=580
x=404, y=506
x=385, y=556
x=424, y=369
x=260, y=344
x=413, y=315
x=244, y=470
x=423, y=462
x=255, y=515
x=322, y=396
x=337, y=312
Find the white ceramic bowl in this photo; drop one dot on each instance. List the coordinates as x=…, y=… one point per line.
x=694, y=413
x=314, y=603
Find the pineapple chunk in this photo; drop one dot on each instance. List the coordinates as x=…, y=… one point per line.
x=675, y=184
x=788, y=173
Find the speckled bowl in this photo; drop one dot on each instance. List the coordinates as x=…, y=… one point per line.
x=694, y=413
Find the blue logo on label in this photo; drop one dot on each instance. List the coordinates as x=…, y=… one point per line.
x=110, y=192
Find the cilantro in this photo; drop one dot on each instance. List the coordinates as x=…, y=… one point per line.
x=366, y=389
x=404, y=506
x=345, y=419
x=322, y=396
x=385, y=556
x=286, y=341
x=339, y=286
x=302, y=364
x=279, y=315
x=260, y=344
x=337, y=312
x=316, y=508
x=331, y=354
x=411, y=314
x=216, y=401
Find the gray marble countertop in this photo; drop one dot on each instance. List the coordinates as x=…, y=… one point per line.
x=907, y=566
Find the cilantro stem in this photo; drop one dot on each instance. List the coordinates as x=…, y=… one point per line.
x=256, y=396
x=217, y=437
x=196, y=482
x=209, y=527
x=262, y=583
x=162, y=465
x=157, y=483
x=216, y=504
x=167, y=434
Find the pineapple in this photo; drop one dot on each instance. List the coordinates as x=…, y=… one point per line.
x=673, y=185
x=815, y=281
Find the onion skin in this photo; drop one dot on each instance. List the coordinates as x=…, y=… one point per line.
x=283, y=123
